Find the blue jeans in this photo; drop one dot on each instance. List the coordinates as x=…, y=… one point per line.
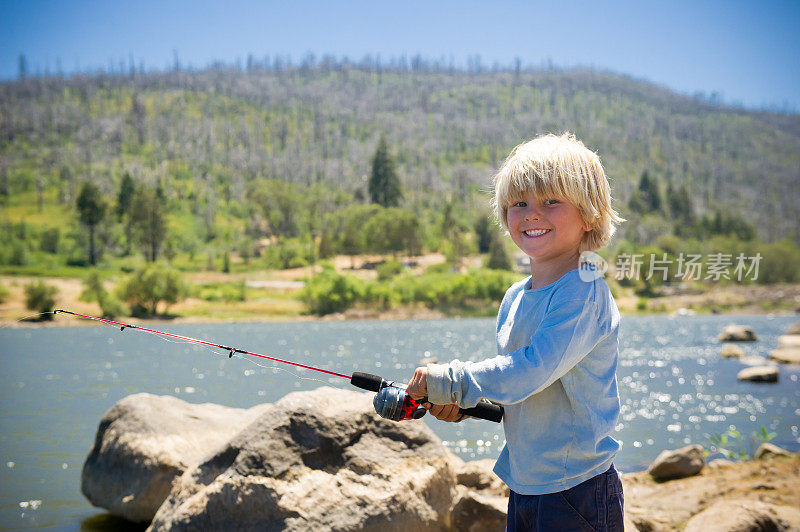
x=592, y=506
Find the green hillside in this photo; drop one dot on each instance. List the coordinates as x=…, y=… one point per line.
x=238, y=157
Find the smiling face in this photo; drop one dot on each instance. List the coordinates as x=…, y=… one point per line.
x=558, y=167
x=547, y=229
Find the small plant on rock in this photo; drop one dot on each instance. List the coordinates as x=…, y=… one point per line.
x=731, y=444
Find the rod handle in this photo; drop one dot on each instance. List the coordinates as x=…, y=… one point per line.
x=484, y=410
x=366, y=381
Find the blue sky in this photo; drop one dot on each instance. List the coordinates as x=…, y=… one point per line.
x=746, y=51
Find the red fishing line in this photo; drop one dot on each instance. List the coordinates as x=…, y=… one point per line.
x=231, y=350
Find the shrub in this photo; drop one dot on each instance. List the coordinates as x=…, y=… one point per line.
x=388, y=269
x=778, y=262
x=382, y=295
x=149, y=286
x=329, y=292
x=40, y=297
x=18, y=255
x=223, y=292
x=94, y=290
x=289, y=253
x=3, y=293
x=49, y=240
x=394, y=230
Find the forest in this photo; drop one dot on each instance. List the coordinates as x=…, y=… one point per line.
x=274, y=165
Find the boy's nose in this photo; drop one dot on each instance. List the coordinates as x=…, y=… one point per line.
x=531, y=215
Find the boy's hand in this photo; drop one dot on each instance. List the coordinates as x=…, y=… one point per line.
x=450, y=413
x=418, y=387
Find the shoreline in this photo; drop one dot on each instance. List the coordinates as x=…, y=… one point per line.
x=271, y=305
x=354, y=316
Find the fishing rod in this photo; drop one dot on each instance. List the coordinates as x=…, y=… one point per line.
x=391, y=400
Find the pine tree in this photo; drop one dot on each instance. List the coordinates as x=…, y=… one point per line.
x=127, y=189
x=147, y=216
x=384, y=185
x=688, y=212
x=498, y=257
x=138, y=117
x=651, y=196
x=483, y=228
x=91, y=209
x=453, y=234
x=125, y=195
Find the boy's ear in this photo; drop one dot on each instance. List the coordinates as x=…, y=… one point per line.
x=587, y=227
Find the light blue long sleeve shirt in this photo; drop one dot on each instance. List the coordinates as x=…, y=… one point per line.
x=555, y=375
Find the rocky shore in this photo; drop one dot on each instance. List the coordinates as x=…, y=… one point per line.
x=323, y=460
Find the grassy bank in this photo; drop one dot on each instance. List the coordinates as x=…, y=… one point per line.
x=428, y=289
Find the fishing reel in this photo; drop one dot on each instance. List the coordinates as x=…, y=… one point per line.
x=392, y=402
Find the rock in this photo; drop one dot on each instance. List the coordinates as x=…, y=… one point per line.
x=739, y=516
x=721, y=462
x=786, y=356
x=476, y=512
x=754, y=361
x=478, y=475
x=766, y=450
x=759, y=374
x=788, y=351
x=679, y=463
x=737, y=333
x=637, y=524
x=731, y=351
x=789, y=341
x=794, y=329
x=319, y=460
x=145, y=442
x=668, y=506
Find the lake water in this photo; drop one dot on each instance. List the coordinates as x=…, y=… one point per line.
x=56, y=384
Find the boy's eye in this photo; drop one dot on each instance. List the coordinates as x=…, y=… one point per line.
x=520, y=204
x=551, y=202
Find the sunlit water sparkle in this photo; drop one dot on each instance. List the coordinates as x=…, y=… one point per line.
x=56, y=384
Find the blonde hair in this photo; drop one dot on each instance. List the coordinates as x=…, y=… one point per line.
x=558, y=166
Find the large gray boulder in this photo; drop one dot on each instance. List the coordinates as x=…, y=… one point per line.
x=680, y=463
x=320, y=460
x=145, y=442
x=737, y=333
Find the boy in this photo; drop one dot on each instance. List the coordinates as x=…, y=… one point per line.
x=555, y=372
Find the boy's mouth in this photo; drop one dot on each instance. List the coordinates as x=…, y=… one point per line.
x=533, y=233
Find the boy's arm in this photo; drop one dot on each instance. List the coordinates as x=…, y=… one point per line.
x=567, y=334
